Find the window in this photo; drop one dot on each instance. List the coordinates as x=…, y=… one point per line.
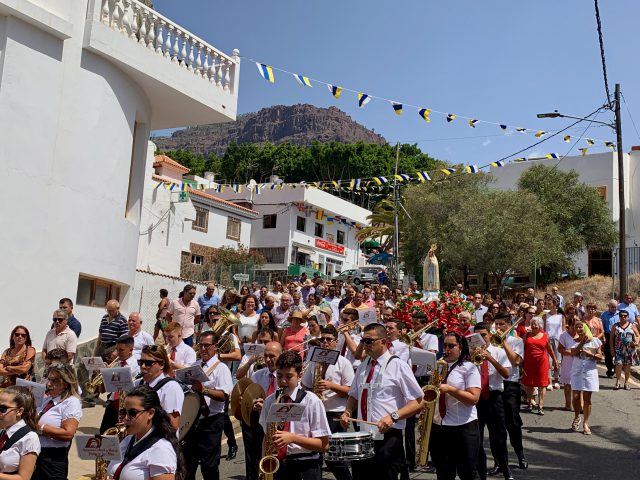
x=301, y=224
x=272, y=254
x=269, y=221
x=233, y=228
x=202, y=219
x=197, y=259
x=319, y=229
x=340, y=238
x=94, y=292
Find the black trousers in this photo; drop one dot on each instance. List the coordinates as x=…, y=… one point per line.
x=454, y=449
x=202, y=447
x=409, y=445
x=388, y=461
x=52, y=464
x=340, y=470
x=511, y=400
x=608, y=359
x=299, y=469
x=109, y=418
x=252, y=440
x=228, y=427
x=491, y=414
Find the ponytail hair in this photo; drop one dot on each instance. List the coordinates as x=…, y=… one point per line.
x=24, y=399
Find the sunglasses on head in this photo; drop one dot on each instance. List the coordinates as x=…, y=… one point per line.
x=129, y=412
x=146, y=363
x=6, y=408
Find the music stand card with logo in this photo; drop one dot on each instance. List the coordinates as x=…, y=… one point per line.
x=475, y=341
x=91, y=446
x=323, y=355
x=37, y=390
x=93, y=363
x=253, y=349
x=367, y=316
x=285, y=412
x=423, y=357
x=117, y=379
x=190, y=374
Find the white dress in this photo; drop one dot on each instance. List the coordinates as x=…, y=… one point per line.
x=568, y=342
x=584, y=371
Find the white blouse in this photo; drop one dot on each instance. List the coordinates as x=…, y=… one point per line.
x=10, y=458
x=62, y=410
x=158, y=460
x=247, y=325
x=462, y=377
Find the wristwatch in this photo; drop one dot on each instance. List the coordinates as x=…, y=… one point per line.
x=395, y=417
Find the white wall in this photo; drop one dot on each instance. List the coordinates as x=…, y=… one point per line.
x=216, y=234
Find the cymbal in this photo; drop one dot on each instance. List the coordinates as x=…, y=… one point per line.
x=252, y=392
x=236, y=393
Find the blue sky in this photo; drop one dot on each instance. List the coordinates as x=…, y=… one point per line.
x=500, y=61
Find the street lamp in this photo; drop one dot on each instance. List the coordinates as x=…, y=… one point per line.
x=617, y=127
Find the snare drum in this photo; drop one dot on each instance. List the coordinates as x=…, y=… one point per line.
x=348, y=446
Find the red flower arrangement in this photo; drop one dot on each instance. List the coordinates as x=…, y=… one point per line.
x=445, y=310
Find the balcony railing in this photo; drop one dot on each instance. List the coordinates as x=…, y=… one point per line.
x=157, y=33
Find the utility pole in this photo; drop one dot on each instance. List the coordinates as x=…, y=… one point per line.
x=622, y=230
x=396, y=240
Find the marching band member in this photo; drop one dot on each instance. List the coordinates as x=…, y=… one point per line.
x=427, y=341
x=252, y=436
x=151, y=448
x=155, y=367
x=202, y=444
x=300, y=442
x=333, y=390
x=57, y=423
x=124, y=351
x=387, y=393
x=180, y=354
x=455, y=421
x=348, y=341
x=248, y=362
x=20, y=443
x=495, y=368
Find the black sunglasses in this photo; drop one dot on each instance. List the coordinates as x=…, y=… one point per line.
x=326, y=339
x=6, y=408
x=146, y=363
x=130, y=412
x=450, y=345
x=19, y=334
x=59, y=320
x=370, y=341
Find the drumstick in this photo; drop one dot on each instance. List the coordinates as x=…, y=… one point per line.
x=355, y=420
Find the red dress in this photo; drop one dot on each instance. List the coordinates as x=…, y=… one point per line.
x=536, y=361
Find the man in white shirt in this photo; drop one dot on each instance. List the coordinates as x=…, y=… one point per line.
x=180, y=354
x=60, y=336
x=140, y=337
x=386, y=393
x=479, y=308
x=426, y=341
x=202, y=444
x=334, y=302
x=554, y=292
x=248, y=362
x=348, y=342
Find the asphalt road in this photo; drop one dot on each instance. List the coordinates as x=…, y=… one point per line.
x=552, y=449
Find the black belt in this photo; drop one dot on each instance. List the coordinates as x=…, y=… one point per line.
x=302, y=456
x=334, y=414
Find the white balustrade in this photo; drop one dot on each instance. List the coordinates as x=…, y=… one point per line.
x=157, y=33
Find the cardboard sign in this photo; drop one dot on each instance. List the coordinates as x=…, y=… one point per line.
x=367, y=316
x=285, y=412
x=253, y=349
x=190, y=374
x=475, y=341
x=117, y=379
x=91, y=446
x=423, y=357
x=93, y=363
x=37, y=390
x=323, y=355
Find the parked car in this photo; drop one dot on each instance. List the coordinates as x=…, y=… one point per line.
x=360, y=275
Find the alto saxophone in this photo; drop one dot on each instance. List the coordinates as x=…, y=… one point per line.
x=269, y=463
x=96, y=381
x=317, y=378
x=425, y=417
x=121, y=431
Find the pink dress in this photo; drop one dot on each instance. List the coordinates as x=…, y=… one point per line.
x=294, y=340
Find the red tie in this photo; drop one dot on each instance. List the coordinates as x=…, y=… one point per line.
x=272, y=384
x=365, y=392
x=173, y=354
x=48, y=406
x=484, y=380
x=442, y=405
x=3, y=439
x=287, y=427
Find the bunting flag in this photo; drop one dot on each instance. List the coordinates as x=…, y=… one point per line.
x=424, y=177
x=273, y=186
x=521, y=130
x=218, y=188
x=471, y=169
x=451, y=117
x=266, y=72
x=256, y=189
x=611, y=145
x=355, y=184
x=397, y=108
x=552, y=156
x=540, y=133
x=583, y=151
x=424, y=113
x=173, y=185
x=447, y=171
x=402, y=177
x=237, y=188
x=329, y=220
x=319, y=214
x=363, y=99
x=497, y=164
x=380, y=180
x=590, y=142
x=335, y=184
x=335, y=91
x=520, y=159
x=472, y=122
x=567, y=138
x=503, y=127
x=158, y=185
x=302, y=80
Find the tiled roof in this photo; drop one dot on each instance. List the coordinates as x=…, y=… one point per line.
x=163, y=159
x=208, y=196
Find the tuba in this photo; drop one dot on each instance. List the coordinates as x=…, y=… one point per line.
x=96, y=382
x=228, y=319
x=269, y=463
x=425, y=417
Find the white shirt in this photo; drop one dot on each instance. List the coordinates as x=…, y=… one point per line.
x=401, y=350
x=158, y=460
x=430, y=343
x=313, y=423
x=553, y=325
x=62, y=410
x=219, y=379
x=396, y=387
x=334, y=303
x=495, y=379
x=356, y=337
x=171, y=394
x=582, y=364
x=10, y=458
x=247, y=325
x=185, y=355
x=341, y=373
x=243, y=361
x=141, y=339
x=479, y=313
x=517, y=345
x=236, y=346
x=462, y=377
x=262, y=377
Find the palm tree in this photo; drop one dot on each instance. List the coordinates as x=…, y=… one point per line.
x=381, y=220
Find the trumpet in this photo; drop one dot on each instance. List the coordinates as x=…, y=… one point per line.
x=498, y=339
x=93, y=385
x=351, y=327
x=410, y=338
x=476, y=356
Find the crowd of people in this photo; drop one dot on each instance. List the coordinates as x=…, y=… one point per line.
x=528, y=346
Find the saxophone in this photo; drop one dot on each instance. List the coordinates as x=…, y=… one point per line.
x=425, y=417
x=317, y=378
x=96, y=382
x=121, y=431
x=270, y=463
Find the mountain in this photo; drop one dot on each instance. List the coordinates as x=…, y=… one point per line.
x=297, y=124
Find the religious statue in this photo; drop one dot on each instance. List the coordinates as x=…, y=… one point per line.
x=431, y=271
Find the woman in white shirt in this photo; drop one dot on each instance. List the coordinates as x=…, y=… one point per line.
x=21, y=446
x=248, y=318
x=455, y=437
x=57, y=422
x=554, y=325
x=150, y=451
x=565, y=344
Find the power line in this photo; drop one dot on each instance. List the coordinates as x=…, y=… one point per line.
x=602, y=58
x=626, y=105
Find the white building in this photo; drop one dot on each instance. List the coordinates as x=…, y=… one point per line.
x=305, y=227
x=601, y=171
x=82, y=84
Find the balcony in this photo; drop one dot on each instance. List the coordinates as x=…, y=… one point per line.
x=186, y=80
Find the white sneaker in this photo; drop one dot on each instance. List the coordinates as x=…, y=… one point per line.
x=549, y=387
x=556, y=385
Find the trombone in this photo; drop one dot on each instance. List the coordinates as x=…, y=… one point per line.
x=351, y=327
x=498, y=339
x=410, y=338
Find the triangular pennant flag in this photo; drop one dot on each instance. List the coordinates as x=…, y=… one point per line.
x=335, y=184
x=424, y=177
x=447, y=171
x=335, y=91
x=363, y=99
x=380, y=180
x=302, y=80
x=402, y=177
x=497, y=164
x=397, y=108
x=424, y=113
x=583, y=151
x=567, y=138
x=539, y=133
x=552, y=156
x=590, y=142
x=503, y=127
x=472, y=169
x=521, y=130
x=158, y=185
x=451, y=117
x=520, y=159
x=472, y=122
x=611, y=145
x=266, y=72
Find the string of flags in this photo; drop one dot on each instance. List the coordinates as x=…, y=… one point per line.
x=267, y=72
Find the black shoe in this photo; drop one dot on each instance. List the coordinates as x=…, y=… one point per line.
x=430, y=469
x=494, y=471
x=609, y=374
x=508, y=475
x=522, y=463
x=233, y=450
